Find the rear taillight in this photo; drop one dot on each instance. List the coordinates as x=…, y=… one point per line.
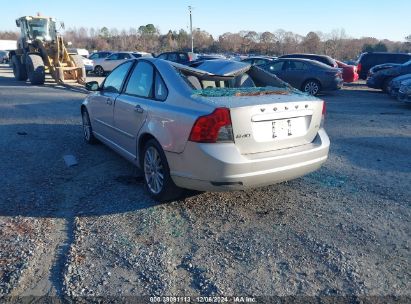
x=323, y=115
x=212, y=128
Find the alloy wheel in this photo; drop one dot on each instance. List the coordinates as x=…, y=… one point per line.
x=153, y=170
x=86, y=126
x=311, y=88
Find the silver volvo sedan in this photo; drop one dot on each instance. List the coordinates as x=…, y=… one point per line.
x=222, y=126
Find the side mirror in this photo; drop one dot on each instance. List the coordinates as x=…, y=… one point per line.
x=92, y=86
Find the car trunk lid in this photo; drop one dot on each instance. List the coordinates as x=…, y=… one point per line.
x=272, y=121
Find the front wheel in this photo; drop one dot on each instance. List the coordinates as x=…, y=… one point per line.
x=35, y=69
x=311, y=87
x=87, y=129
x=156, y=171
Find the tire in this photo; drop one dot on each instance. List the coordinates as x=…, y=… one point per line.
x=35, y=69
x=156, y=173
x=87, y=129
x=78, y=61
x=19, y=69
x=99, y=71
x=312, y=87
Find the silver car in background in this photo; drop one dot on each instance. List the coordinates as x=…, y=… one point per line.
x=105, y=65
x=228, y=126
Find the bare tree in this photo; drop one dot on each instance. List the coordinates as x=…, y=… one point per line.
x=148, y=38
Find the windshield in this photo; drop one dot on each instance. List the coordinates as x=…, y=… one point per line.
x=40, y=29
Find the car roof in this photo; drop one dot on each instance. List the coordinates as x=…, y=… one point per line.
x=303, y=54
x=309, y=61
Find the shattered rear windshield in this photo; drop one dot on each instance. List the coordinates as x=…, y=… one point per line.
x=250, y=91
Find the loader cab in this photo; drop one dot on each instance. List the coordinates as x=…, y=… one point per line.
x=40, y=28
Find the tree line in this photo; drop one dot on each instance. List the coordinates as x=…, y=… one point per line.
x=148, y=38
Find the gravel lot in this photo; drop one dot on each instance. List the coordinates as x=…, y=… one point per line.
x=91, y=230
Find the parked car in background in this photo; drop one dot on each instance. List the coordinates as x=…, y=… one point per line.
x=381, y=67
x=307, y=75
x=321, y=58
x=382, y=79
x=104, y=65
x=404, y=93
x=234, y=129
x=209, y=56
x=4, y=57
x=349, y=71
x=395, y=84
x=368, y=60
x=179, y=57
x=258, y=60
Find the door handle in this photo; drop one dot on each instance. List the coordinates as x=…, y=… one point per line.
x=138, y=109
x=109, y=101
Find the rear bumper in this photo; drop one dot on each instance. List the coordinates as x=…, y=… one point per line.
x=211, y=167
x=335, y=84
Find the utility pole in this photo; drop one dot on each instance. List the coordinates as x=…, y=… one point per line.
x=191, y=29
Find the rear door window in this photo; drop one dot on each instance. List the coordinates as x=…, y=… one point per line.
x=295, y=65
x=123, y=56
x=113, y=57
x=173, y=57
x=182, y=57
x=141, y=80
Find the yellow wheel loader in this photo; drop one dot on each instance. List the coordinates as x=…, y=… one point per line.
x=41, y=50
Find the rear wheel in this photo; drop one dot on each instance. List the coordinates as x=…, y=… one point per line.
x=311, y=87
x=78, y=61
x=157, y=173
x=35, y=69
x=19, y=69
x=99, y=71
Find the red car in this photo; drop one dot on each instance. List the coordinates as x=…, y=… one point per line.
x=349, y=71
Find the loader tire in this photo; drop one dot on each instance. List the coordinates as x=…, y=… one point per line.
x=19, y=69
x=78, y=61
x=35, y=69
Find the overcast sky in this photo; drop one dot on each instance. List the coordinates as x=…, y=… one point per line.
x=379, y=19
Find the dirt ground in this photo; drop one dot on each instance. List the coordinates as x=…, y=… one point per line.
x=91, y=230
